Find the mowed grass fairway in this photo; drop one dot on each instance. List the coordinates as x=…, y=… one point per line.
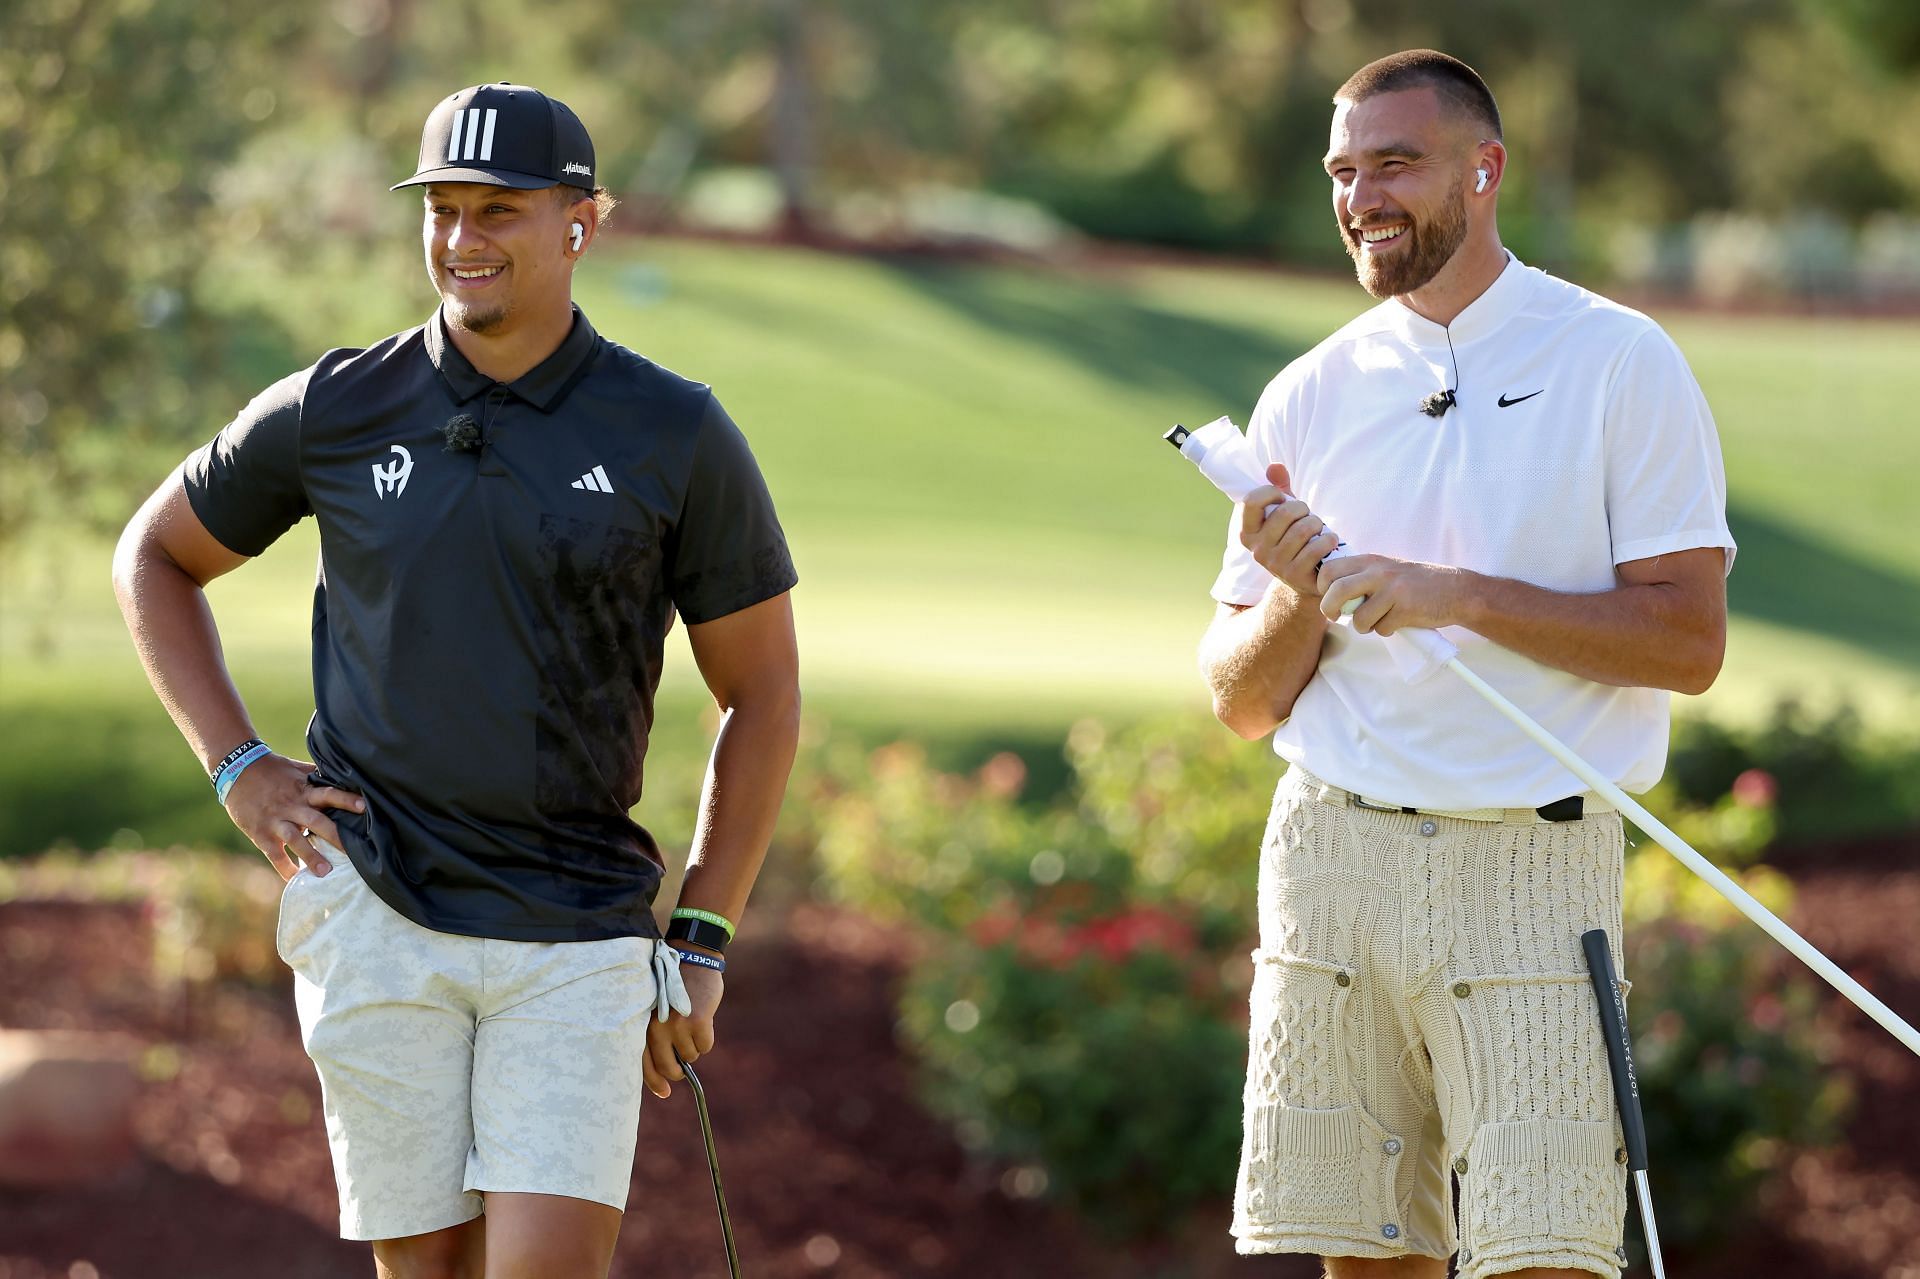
x=992, y=540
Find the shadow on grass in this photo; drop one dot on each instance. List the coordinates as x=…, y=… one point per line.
x=1784, y=577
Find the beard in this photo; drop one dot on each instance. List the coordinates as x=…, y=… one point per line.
x=1430, y=246
x=475, y=318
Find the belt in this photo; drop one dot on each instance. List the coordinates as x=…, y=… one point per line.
x=1570, y=809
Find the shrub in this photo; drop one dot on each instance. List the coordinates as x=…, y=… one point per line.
x=1079, y=1008
x=939, y=850
x=1186, y=800
x=1722, y=1023
x=213, y=913
x=1103, y=1056
x=1833, y=777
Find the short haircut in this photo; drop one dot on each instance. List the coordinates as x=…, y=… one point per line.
x=1462, y=91
x=602, y=198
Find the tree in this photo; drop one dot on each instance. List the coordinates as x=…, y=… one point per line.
x=115, y=117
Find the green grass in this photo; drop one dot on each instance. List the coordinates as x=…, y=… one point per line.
x=991, y=538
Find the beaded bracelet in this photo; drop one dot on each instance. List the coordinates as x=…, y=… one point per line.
x=699, y=960
x=237, y=762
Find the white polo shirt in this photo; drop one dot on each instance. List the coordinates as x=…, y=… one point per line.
x=1580, y=440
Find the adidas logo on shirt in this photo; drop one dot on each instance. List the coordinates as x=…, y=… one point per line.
x=594, y=481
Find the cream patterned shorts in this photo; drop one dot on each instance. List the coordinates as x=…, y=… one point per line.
x=1421, y=1011
x=455, y=1065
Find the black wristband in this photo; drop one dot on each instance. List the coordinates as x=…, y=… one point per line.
x=699, y=960
x=699, y=932
x=232, y=756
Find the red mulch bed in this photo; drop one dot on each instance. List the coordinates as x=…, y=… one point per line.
x=831, y=1166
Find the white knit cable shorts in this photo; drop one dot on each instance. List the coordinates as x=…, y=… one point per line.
x=451, y=1066
x=1421, y=1012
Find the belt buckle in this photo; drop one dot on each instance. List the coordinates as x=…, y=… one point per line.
x=1361, y=801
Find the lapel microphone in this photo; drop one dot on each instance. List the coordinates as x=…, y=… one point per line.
x=465, y=435
x=1437, y=404
x=462, y=434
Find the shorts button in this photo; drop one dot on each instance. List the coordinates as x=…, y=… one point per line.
x=1620, y=1155
x=1460, y=1166
x=1391, y=1146
x=1429, y=826
x=1341, y=979
x=1466, y=1255
x=1621, y=1252
x=1461, y=990
x=1390, y=1230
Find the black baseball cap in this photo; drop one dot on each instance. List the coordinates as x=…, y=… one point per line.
x=505, y=134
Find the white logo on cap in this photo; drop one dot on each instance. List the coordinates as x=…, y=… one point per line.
x=476, y=138
x=577, y=167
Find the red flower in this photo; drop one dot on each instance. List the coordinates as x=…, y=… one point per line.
x=1755, y=788
x=1003, y=776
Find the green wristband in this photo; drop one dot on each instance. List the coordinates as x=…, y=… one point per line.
x=688, y=912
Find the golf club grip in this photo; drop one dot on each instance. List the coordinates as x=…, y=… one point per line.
x=1613, y=1021
x=1228, y=461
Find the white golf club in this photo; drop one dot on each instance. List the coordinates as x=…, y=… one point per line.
x=1225, y=457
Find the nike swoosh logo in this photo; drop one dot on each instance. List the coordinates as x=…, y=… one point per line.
x=1505, y=403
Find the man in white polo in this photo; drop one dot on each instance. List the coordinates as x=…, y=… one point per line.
x=1532, y=469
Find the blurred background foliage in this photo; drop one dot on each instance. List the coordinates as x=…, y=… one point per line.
x=1738, y=145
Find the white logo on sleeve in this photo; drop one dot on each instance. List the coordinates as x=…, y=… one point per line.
x=392, y=478
x=594, y=481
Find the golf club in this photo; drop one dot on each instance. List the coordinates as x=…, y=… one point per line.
x=1626, y=1089
x=713, y=1166
x=1224, y=456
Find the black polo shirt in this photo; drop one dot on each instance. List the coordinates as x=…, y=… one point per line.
x=488, y=624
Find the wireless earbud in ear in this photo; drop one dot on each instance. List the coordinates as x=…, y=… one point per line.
x=580, y=232
x=1479, y=182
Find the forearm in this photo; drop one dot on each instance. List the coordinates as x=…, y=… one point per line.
x=167, y=614
x=1654, y=635
x=739, y=803
x=1257, y=661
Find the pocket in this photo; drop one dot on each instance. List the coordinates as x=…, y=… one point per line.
x=1297, y=1054
x=306, y=900
x=1533, y=1048
x=1542, y=1186
x=1304, y=1167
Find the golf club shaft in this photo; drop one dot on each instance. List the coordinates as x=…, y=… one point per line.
x=1744, y=901
x=713, y=1167
x=1626, y=1087
x=1646, y=1223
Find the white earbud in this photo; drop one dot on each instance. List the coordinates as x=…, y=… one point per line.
x=580, y=232
x=1479, y=185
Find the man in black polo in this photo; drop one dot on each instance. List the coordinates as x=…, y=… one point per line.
x=512, y=509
